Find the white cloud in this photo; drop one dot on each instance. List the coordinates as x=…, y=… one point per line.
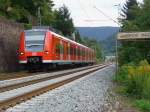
x=83, y=11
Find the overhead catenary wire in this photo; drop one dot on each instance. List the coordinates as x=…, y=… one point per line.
x=104, y=14
x=99, y=10
x=94, y=20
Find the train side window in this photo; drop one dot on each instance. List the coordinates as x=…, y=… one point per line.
x=57, y=48
x=75, y=52
x=67, y=50
x=78, y=52
x=71, y=50
x=62, y=49
x=81, y=53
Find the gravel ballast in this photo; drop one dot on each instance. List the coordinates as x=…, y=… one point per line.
x=86, y=94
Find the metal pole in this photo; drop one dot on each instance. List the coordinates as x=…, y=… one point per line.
x=118, y=6
x=116, y=56
x=39, y=16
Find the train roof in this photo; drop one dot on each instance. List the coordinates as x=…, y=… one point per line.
x=69, y=40
x=59, y=36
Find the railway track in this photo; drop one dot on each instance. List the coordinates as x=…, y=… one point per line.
x=36, y=86
x=7, y=85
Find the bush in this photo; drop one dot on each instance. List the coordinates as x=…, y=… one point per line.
x=121, y=77
x=136, y=79
x=143, y=105
x=27, y=26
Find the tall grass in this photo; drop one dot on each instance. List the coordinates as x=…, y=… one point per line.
x=136, y=79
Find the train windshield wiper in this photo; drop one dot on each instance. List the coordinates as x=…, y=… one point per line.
x=34, y=45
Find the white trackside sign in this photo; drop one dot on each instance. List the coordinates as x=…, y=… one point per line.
x=134, y=35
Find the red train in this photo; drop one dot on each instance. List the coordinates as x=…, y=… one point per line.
x=42, y=46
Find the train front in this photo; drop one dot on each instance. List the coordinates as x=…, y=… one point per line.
x=33, y=48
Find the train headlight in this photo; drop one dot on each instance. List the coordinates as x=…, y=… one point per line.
x=46, y=52
x=21, y=53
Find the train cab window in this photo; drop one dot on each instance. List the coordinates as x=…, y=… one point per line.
x=34, y=40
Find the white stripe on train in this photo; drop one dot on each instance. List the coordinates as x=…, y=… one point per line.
x=59, y=61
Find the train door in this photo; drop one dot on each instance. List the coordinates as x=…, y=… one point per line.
x=57, y=49
x=71, y=52
x=65, y=50
x=61, y=50
x=80, y=54
x=68, y=51
x=76, y=53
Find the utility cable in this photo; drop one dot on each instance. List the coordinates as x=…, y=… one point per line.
x=106, y=15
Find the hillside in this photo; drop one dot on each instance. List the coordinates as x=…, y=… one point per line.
x=105, y=35
x=109, y=45
x=98, y=33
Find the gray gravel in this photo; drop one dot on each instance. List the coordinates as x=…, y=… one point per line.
x=87, y=94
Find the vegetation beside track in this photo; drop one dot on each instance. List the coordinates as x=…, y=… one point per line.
x=133, y=79
x=134, y=82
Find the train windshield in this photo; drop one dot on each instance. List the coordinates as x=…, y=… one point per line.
x=34, y=40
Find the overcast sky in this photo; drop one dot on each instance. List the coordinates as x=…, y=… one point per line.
x=84, y=13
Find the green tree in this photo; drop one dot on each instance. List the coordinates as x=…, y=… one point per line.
x=5, y=7
x=63, y=22
x=143, y=20
x=132, y=51
x=128, y=10
x=25, y=11
x=78, y=37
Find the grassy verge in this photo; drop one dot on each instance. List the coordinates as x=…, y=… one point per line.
x=141, y=105
x=133, y=83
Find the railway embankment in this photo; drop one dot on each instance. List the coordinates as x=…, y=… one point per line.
x=93, y=92
x=87, y=94
x=9, y=37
